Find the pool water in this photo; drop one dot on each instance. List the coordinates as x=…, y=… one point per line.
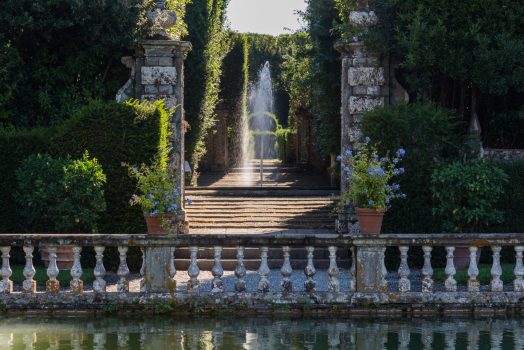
x=194, y=332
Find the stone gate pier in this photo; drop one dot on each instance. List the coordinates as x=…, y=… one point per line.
x=157, y=73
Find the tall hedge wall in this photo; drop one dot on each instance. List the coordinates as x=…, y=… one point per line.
x=111, y=132
x=205, y=20
x=233, y=91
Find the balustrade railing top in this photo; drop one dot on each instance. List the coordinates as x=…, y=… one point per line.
x=366, y=276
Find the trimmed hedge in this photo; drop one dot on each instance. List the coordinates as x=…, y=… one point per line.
x=111, y=132
x=16, y=146
x=512, y=202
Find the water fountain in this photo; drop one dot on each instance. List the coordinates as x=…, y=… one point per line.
x=261, y=107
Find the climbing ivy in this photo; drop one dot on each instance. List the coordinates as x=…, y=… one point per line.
x=321, y=17
x=205, y=21
x=234, y=90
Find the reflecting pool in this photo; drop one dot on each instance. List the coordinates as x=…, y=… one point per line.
x=258, y=333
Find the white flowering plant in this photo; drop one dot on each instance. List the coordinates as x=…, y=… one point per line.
x=370, y=178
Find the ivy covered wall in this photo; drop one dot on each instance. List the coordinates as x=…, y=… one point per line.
x=205, y=22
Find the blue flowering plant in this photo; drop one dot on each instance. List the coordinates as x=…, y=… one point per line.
x=371, y=178
x=156, y=193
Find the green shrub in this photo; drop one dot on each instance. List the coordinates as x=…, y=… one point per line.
x=511, y=201
x=16, y=146
x=430, y=135
x=116, y=133
x=111, y=132
x=466, y=195
x=61, y=195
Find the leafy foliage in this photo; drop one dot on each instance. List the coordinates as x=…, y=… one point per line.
x=157, y=196
x=113, y=133
x=205, y=20
x=55, y=55
x=431, y=136
x=61, y=195
x=464, y=55
x=466, y=195
x=325, y=69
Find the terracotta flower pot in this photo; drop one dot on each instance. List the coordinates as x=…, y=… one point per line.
x=64, y=256
x=370, y=220
x=154, y=225
x=461, y=257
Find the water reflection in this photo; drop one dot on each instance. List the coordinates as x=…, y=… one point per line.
x=258, y=333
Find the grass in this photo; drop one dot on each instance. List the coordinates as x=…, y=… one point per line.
x=484, y=274
x=41, y=276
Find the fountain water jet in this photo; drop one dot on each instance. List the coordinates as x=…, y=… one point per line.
x=260, y=104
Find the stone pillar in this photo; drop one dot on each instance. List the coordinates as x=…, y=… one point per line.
x=157, y=73
x=370, y=269
x=364, y=87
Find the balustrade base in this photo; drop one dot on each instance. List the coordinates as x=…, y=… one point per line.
x=348, y=304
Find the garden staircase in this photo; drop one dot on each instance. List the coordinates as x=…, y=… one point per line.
x=288, y=201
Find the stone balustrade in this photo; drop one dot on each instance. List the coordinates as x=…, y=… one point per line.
x=366, y=281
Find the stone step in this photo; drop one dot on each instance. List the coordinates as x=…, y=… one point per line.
x=199, y=215
x=298, y=258
x=267, y=225
x=253, y=265
x=275, y=192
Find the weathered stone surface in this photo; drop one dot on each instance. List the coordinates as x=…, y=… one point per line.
x=366, y=76
x=159, y=75
x=361, y=104
x=363, y=18
x=370, y=270
x=156, y=270
x=158, y=89
x=373, y=90
x=169, y=101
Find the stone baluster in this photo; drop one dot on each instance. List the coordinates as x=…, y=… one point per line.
x=193, y=271
x=404, y=285
x=143, y=287
x=427, y=337
x=286, y=272
x=218, y=272
x=240, y=271
x=52, y=285
x=473, y=338
x=518, y=283
x=123, y=271
x=333, y=271
x=309, y=271
x=496, y=271
x=76, y=285
x=99, y=285
x=353, y=270
x=450, y=284
x=6, y=285
x=450, y=337
x=404, y=338
x=497, y=336
x=473, y=271
x=263, y=271
x=427, y=271
x=29, y=284
x=518, y=338
x=171, y=283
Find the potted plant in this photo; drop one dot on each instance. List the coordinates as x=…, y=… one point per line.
x=370, y=184
x=61, y=195
x=466, y=194
x=157, y=196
